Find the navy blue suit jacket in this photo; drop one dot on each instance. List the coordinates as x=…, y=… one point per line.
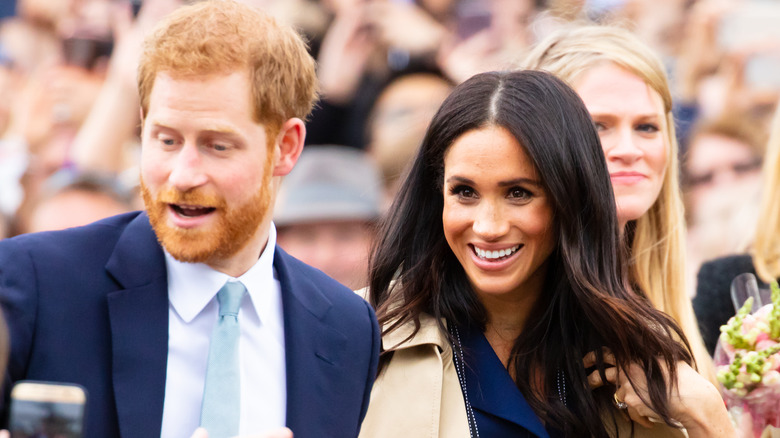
x=89, y=305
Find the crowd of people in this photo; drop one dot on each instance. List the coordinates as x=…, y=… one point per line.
x=542, y=202
x=67, y=71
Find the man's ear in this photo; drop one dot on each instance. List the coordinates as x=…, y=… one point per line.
x=289, y=145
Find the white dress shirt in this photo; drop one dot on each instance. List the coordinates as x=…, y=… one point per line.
x=192, y=315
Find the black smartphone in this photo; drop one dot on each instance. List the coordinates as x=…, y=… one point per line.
x=47, y=409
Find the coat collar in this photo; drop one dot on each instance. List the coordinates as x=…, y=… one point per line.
x=429, y=333
x=313, y=349
x=486, y=378
x=138, y=314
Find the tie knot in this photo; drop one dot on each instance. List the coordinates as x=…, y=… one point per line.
x=229, y=298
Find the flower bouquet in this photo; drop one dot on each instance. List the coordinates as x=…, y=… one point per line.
x=748, y=361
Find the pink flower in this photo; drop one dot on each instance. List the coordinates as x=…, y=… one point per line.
x=771, y=379
x=763, y=342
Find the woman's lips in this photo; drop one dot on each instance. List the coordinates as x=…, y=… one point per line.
x=492, y=259
x=626, y=177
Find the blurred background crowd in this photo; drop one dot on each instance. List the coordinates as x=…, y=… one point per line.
x=69, y=120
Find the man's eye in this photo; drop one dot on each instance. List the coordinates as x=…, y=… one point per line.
x=168, y=141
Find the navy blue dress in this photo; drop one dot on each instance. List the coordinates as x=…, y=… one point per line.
x=499, y=407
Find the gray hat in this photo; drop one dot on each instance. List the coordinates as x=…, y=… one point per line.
x=329, y=183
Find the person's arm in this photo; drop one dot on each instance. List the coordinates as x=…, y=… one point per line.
x=695, y=402
x=114, y=117
x=111, y=123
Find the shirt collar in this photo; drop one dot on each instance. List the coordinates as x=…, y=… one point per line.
x=191, y=286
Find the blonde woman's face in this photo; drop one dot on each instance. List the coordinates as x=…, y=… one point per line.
x=629, y=118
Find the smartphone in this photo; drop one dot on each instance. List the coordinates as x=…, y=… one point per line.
x=47, y=409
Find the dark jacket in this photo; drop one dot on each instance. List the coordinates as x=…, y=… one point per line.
x=712, y=303
x=89, y=305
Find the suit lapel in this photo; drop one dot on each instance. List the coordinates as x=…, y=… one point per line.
x=139, y=330
x=312, y=350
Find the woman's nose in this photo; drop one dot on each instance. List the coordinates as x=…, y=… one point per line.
x=490, y=223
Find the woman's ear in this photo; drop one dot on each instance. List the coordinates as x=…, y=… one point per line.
x=289, y=145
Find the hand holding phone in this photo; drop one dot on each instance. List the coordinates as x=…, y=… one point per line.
x=47, y=409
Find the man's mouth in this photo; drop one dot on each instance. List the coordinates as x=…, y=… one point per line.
x=496, y=255
x=191, y=210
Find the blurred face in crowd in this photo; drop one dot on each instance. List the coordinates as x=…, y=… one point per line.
x=206, y=169
x=337, y=248
x=629, y=118
x=497, y=218
x=400, y=117
x=720, y=171
x=73, y=208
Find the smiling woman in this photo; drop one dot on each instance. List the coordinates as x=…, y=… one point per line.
x=496, y=218
x=499, y=270
x=624, y=86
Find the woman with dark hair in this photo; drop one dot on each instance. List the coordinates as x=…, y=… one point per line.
x=499, y=268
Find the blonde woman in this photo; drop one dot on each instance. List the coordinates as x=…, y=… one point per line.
x=713, y=300
x=624, y=86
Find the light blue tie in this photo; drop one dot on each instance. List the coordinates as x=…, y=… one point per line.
x=222, y=391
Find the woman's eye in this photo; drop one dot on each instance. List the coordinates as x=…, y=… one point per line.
x=519, y=193
x=599, y=126
x=219, y=147
x=168, y=141
x=463, y=191
x=650, y=128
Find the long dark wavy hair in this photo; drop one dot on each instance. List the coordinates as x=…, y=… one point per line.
x=587, y=302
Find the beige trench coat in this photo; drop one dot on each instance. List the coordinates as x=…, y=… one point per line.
x=417, y=395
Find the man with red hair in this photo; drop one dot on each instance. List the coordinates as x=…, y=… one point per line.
x=188, y=315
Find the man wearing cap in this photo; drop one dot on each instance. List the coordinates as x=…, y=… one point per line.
x=188, y=314
x=327, y=209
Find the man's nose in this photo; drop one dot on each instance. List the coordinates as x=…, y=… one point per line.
x=187, y=171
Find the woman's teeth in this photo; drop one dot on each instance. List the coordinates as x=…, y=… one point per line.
x=493, y=255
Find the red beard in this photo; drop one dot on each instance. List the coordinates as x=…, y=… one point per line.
x=234, y=228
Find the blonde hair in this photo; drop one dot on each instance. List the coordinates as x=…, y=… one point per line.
x=222, y=36
x=766, y=245
x=658, y=244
